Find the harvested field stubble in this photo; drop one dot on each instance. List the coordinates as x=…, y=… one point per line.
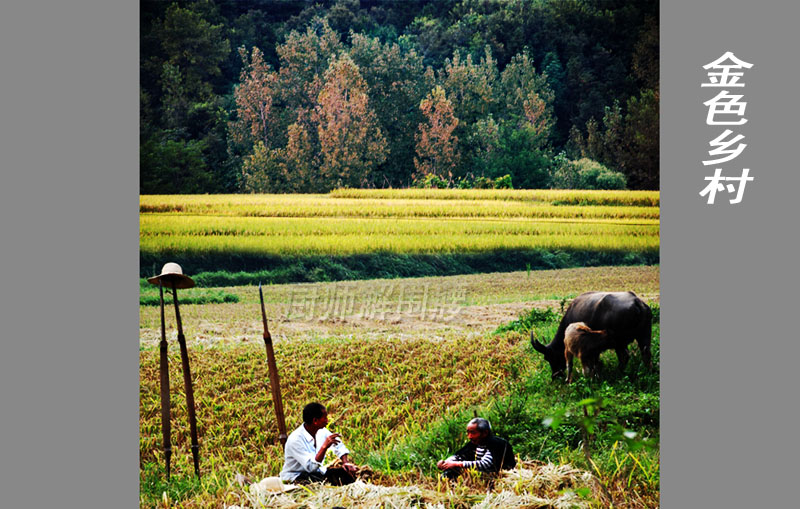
x=377, y=393
x=383, y=381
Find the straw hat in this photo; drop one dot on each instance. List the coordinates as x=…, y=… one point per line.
x=171, y=274
x=271, y=485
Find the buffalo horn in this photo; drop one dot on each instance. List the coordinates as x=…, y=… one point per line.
x=535, y=344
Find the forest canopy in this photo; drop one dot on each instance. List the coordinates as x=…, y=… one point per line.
x=308, y=96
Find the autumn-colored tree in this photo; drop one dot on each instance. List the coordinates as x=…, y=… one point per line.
x=303, y=61
x=350, y=141
x=254, y=98
x=299, y=158
x=437, y=145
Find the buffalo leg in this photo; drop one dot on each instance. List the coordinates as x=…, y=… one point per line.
x=590, y=367
x=643, y=339
x=568, y=357
x=622, y=355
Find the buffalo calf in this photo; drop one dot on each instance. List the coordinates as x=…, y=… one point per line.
x=586, y=344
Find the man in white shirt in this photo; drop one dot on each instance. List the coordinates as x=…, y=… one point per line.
x=306, y=447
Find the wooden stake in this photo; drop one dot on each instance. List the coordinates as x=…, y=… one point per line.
x=274, y=382
x=187, y=382
x=164, y=371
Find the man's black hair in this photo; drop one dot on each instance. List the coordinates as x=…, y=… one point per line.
x=313, y=411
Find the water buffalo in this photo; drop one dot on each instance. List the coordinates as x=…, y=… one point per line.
x=586, y=344
x=621, y=312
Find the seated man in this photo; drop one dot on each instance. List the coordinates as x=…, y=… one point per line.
x=484, y=452
x=306, y=447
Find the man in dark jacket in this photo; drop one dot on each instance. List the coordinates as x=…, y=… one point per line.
x=484, y=452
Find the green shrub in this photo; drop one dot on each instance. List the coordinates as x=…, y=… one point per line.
x=584, y=174
x=503, y=182
x=593, y=175
x=430, y=181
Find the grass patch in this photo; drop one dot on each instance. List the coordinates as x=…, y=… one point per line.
x=236, y=269
x=149, y=296
x=155, y=490
x=630, y=403
x=531, y=319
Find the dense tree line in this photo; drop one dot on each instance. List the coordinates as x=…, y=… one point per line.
x=302, y=96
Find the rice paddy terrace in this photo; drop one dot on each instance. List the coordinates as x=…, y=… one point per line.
x=360, y=234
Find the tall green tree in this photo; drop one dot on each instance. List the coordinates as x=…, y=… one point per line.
x=182, y=116
x=397, y=82
x=195, y=46
x=528, y=97
x=471, y=86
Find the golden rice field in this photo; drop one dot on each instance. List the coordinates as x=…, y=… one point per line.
x=348, y=222
x=562, y=196
x=316, y=205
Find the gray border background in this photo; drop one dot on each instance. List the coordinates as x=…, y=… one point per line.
x=69, y=140
x=69, y=215
x=728, y=273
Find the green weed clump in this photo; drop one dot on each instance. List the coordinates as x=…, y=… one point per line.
x=529, y=320
x=149, y=294
x=191, y=296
